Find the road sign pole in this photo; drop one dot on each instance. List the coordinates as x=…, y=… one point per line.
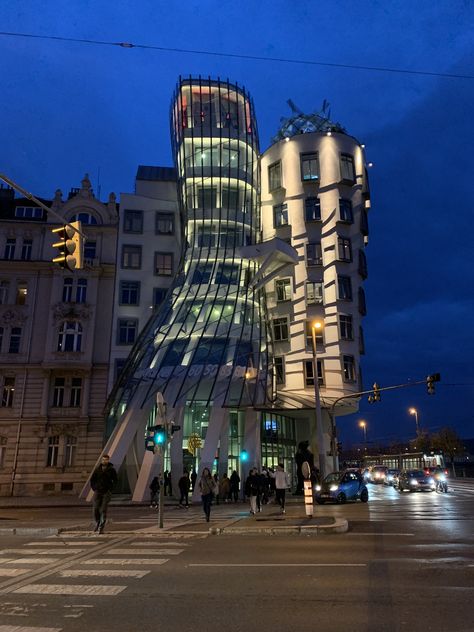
x=161, y=499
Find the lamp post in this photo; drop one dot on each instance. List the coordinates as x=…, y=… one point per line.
x=316, y=327
x=363, y=425
x=413, y=411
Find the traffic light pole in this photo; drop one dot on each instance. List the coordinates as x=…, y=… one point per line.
x=32, y=198
x=161, y=499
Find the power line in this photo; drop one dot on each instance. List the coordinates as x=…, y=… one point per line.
x=286, y=60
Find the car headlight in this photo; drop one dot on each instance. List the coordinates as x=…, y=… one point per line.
x=413, y=481
x=431, y=481
x=334, y=488
x=442, y=477
x=318, y=488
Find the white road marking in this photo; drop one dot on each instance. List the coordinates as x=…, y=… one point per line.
x=100, y=573
x=12, y=572
x=20, y=628
x=153, y=541
x=34, y=560
x=64, y=551
x=379, y=534
x=124, y=561
x=271, y=565
x=63, y=544
x=69, y=589
x=143, y=551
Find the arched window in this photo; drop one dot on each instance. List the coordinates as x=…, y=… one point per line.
x=85, y=218
x=70, y=336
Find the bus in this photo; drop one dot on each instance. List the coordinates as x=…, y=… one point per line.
x=405, y=461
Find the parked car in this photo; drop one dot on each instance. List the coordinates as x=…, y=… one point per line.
x=342, y=486
x=391, y=478
x=378, y=473
x=416, y=481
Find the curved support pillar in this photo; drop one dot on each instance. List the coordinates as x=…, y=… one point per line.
x=208, y=453
x=150, y=468
x=176, y=448
x=251, y=443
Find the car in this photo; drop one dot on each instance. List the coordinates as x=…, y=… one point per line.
x=391, y=478
x=342, y=486
x=378, y=473
x=416, y=481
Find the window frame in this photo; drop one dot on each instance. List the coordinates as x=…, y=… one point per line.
x=344, y=249
x=314, y=301
x=282, y=210
x=26, y=249
x=8, y=391
x=287, y=290
x=274, y=183
x=309, y=375
x=10, y=248
x=317, y=260
x=132, y=221
x=133, y=327
x=348, y=366
x=345, y=160
x=314, y=210
x=130, y=290
x=15, y=335
x=310, y=157
x=346, y=211
x=130, y=251
x=280, y=373
x=343, y=279
x=346, y=328
x=281, y=327
x=161, y=216
x=165, y=268
x=66, y=334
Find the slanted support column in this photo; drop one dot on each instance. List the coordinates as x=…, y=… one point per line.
x=176, y=415
x=251, y=444
x=216, y=421
x=224, y=446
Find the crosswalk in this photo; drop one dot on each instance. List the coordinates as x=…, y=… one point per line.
x=90, y=567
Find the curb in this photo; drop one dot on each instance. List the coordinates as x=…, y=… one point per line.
x=29, y=531
x=341, y=526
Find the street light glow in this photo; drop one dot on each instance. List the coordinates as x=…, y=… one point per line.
x=412, y=411
x=317, y=324
x=362, y=424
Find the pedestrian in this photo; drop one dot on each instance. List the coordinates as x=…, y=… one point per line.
x=168, y=490
x=154, y=492
x=184, y=484
x=251, y=490
x=216, y=487
x=282, y=483
x=206, y=487
x=224, y=487
x=234, y=486
x=193, y=479
x=103, y=480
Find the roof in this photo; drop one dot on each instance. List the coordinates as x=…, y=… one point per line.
x=145, y=172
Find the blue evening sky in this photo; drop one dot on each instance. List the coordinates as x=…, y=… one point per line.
x=69, y=108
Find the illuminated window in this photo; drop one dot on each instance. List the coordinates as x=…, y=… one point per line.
x=164, y=224
x=348, y=365
x=21, y=293
x=344, y=288
x=345, y=327
x=280, y=215
x=347, y=168
x=274, y=176
x=314, y=292
x=309, y=167
x=344, y=249
x=207, y=197
x=8, y=392
x=312, y=209
x=164, y=263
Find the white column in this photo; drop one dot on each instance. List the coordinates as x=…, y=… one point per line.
x=208, y=452
x=251, y=444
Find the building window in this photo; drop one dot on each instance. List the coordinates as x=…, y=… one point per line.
x=344, y=249
x=207, y=236
x=227, y=274
x=133, y=222
x=21, y=293
x=230, y=198
x=26, y=249
x=280, y=215
x=314, y=255
x=129, y=292
x=70, y=336
x=309, y=372
x=202, y=273
x=283, y=290
x=53, y=451
x=3, y=450
x=309, y=167
x=362, y=264
x=76, y=392
x=364, y=222
x=15, y=340
x=131, y=257
x=280, y=329
x=10, y=246
x=344, y=286
x=28, y=212
x=67, y=290
x=164, y=224
x=81, y=291
x=309, y=335
x=345, y=327
x=347, y=168
x=274, y=176
x=159, y=294
x=361, y=341
x=127, y=331
x=279, y=369
x=164, y=263
x=345, y=211
x=90, y=249
x=348, y=365
x=4, y=287
x=362, y=305
x=312, y=209
x=70, y=450
x=8, y=392
x=207, y=197
x=314, y=292
x=58, y=392
x=84, y=218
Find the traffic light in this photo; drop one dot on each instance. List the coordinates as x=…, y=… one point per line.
x=70, y=246
x=244, y=455
x=375, y=397
x=430, y=382
x=174, y=428
x=155, y=436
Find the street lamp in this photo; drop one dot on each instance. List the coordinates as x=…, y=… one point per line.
x=317, y=326
x=363, y=425
x=413, y=411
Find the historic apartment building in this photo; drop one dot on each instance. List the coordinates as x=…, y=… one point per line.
x=54, y=343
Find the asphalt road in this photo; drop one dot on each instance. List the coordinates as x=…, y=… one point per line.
x=407, y=563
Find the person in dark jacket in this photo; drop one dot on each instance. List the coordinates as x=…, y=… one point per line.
x=234, y=486
x=252, y=487
x=184, y=484
x=103, y=480
x=154, y=492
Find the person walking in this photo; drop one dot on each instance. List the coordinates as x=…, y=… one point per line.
x=193, y=479
x=103, y=480
x=282, y=483
x=251, y=490
x=184, y=484
x=154, y=492
x=224, y=487
x=206, y=487
x=168, y=489
x=234, y=486
x=216, y=487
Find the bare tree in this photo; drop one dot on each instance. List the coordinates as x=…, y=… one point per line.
x=449, y=442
